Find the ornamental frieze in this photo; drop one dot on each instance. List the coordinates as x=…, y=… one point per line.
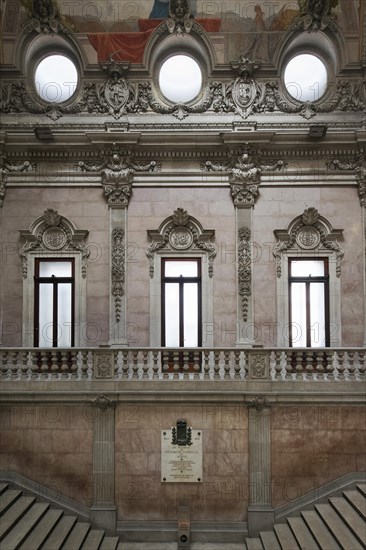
x=117, y=173
x=244, y=269
x=118, y=269
x=5, y=168
x=358, y=165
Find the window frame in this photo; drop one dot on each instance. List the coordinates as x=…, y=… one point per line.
x=55, y=281
x=308, y=280
x=182, y=280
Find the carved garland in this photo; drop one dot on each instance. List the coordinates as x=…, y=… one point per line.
x=118, y=269
x=179, y=233
x=310, y=231
x=53, y=233
x=244, y=269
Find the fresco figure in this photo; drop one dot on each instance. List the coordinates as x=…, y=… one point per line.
x=160, y=9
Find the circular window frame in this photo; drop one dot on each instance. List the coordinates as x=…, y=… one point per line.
x=173, y=45
x=43, y=47
x=191, y=101
x=36, y=64
x=326, y=63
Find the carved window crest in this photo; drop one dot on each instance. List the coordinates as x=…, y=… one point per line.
x=181, y=232
x=53, y=233
x=308, y=232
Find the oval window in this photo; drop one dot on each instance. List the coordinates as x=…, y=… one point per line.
x=56, y=78
x=180, y=78
x=306, y=77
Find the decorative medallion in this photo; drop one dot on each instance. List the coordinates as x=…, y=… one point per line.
x=103, y=364
x=258, y=365
x=181, y=238
x=244, y=92
x=308, y=237
x=54, y=238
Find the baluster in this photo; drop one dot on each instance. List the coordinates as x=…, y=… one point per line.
x=13, y=364
x=330, y=372
x=145, y=366
x=298, y=367
x=79, y=365
x=361, y=360
x=125, y=364
x=44, y=363
x=89, y=362
x=54, y=362
x=319, y=364
x=73, y=367
x=216, y=364
x=165, y=362
x=186, y=360
x=289, y=356
x=237, y=354
x=309, y=362
x=64, y=364
x=341, y=366
x=3, y=364
x=118, y=373
x=35, y=355
x=23, y=366
x=197, y=363
x=226, y=364
x=206, y=365
x=176, y=366
x=155, y=367
x=135, y=365
x=351, y=367
x=279, y=363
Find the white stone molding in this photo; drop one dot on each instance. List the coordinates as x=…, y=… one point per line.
x=181, y=236
x=308, y=236
x=53, y=236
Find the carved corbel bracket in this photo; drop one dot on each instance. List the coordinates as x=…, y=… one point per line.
x=358, y=166
x=5, y=168
x=103, y=402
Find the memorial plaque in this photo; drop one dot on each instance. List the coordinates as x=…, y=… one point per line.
x=181, y=463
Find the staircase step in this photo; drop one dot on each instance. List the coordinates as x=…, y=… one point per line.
x=362, y=488
x=269, y=540
x=339, y=529
x=77, y=536
x=285, y=537
x=40, y=533
x=3, y=487
x=320, y=531
x=93, y=539
x=254, y=544
x=24, y=526
x=302, y=534
x=349, y=515
x=109, y=543
x=14, y=513
x=8, y=498
x=60, y=533
x=358, y=501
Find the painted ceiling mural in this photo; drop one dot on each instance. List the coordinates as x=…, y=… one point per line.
x=251, y=26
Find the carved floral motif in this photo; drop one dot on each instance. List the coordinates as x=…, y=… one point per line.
x=103, y=402
x=169, y=237
x=118, y=269
x=5, y=168
x=358, y=165
x=244, y=269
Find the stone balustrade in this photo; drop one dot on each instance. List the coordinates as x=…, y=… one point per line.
x=276, y=365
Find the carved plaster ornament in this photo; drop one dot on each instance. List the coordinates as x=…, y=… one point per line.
x=104, y=402
x=316, y=14
x=5, y=168
x=310, y=231
x=181, y=232
x=259, y=403
x=245, y=90
x=117, y=173
x=358, y=165
x=244, y=270
x=53, y=232
x=180, y=18
x=244, y=174
x=118, y=269
x=45, y=18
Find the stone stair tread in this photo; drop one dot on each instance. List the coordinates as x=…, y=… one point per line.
x=109, y=543
x=302, y=534
x=8, y=498
x=76, y=538
x=14, y=513
x=93, y=539
x=3, y=487
x=338, y=528
x=269, y=540
x=254, y=544
x=40, y=533
x=285, y=537
x=320, y=531
x=362, y=488
x=349, y=515
x=60, y=533
x=24, y=526
x=357, y=500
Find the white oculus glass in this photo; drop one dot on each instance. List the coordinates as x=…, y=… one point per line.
x=56, y=78
x=306, y=77
x=180, y=78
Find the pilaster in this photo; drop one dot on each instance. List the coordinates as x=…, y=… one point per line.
x=260, y=511
x=103, y=511
x=117, y=293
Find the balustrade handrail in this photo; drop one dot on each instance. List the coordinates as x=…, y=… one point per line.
x=157, y=363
